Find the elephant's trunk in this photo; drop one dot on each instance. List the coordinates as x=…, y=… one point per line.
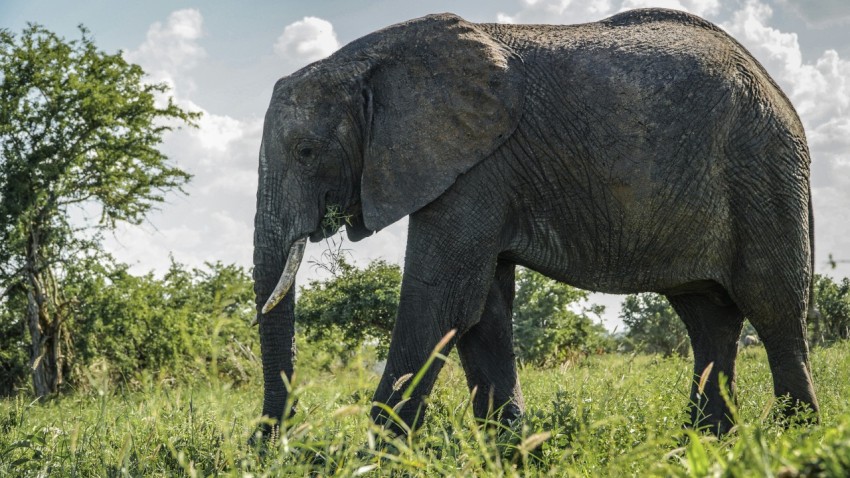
x=277, y=326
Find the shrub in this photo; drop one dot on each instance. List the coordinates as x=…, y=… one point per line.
x=352, y=307
x=191, y=322
x=549, y=324
x=653, y=325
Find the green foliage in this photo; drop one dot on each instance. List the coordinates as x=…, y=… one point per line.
x=189, y=322
x=79, y=132
x=358, y=306
x=14, y=351
x=352, y=307
x=833, y=302
x=77, y=126
x=653, y=325
x=609, y=415
x=547, y=330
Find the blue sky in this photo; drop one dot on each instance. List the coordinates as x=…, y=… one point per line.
x=222, y=58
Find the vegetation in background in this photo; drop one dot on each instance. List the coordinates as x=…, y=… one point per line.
x=191, y=322
x=357, y=306
x=352, y=307
x=653, y=325
x=833, y=302
x=548, y=324
x=79, y=131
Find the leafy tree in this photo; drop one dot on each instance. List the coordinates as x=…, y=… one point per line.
x=79, y=131
x=353, y=306
x=833, y=302
x=547, y=329
x=653, y=325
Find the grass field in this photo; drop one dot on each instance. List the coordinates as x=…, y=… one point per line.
x=610, y=415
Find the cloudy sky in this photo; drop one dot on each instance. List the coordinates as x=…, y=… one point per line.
x=222, y=58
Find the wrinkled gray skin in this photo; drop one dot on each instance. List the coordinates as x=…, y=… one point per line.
x=645, y=152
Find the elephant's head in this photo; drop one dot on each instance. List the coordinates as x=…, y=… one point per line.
x=379, y=129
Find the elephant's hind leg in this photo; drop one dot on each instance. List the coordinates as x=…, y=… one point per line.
x=781, y=325
x=486, y=352
x=714, y=325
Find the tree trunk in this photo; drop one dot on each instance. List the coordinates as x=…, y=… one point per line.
x=45, y=325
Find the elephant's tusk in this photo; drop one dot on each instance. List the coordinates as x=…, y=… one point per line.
x=293, y=261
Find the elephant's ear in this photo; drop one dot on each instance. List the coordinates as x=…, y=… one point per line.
x=442, y=96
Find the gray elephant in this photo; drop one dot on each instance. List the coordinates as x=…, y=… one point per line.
x=645, y=152
x=750, y=340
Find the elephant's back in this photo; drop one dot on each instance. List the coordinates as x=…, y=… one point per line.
x=650, y=84
x=643, y=16
x=650, y=48
x=648, y=27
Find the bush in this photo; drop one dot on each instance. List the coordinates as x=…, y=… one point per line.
x=547, y=327
x=833, y=302
x=653, y=325
x=352, y=307
x=191, y=322
x=14, y=350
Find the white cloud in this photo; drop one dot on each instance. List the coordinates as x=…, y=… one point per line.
x=172, y=48
x=558, y=11
x=216, y=132
x=307, y=40
x=697, y=7
x=214, y=221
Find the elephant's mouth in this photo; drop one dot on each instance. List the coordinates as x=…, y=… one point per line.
x=333, y=219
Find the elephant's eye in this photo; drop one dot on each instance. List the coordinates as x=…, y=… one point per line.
x=307, y=149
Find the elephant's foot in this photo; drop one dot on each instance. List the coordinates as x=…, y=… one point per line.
x=714, y=418
x=504, y=410
x=399, y=419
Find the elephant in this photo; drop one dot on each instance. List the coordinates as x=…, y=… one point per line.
x=750, y=340
x=648, y=151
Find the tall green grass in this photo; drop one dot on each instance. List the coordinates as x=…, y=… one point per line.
x=609, y=415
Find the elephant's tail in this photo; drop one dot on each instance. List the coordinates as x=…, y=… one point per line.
x=813, y=314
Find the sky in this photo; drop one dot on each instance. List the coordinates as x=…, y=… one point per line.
x=222, y=58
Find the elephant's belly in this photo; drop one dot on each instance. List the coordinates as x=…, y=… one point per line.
x=625, y=256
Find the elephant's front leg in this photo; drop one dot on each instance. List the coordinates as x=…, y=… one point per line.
x=447, y=277
x=487, y=353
